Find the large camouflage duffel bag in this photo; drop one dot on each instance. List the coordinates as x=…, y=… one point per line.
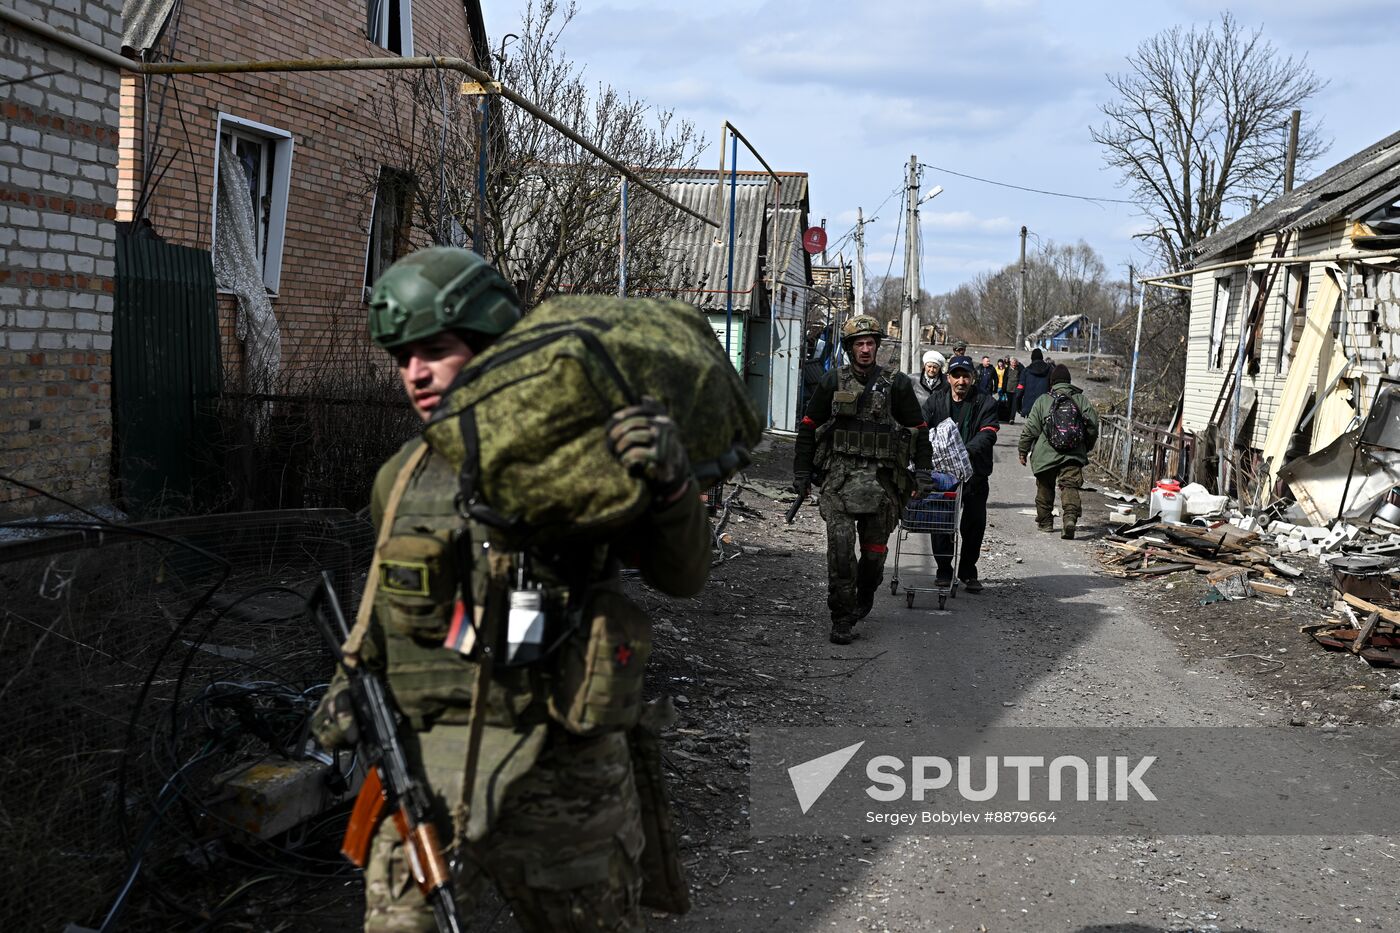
x=524, y=422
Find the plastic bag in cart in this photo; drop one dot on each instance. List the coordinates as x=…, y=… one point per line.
x=949, y=451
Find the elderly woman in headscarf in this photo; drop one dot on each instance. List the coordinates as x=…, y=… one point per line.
x=931, y=380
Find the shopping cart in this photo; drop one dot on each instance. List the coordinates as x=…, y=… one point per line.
x=938, y=513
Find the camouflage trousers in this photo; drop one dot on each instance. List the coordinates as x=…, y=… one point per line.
x=852, y=578
x=563, y=852
x=1069, y=478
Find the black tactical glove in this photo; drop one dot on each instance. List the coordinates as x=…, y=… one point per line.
x=646, y=441
x=923, y=485
x=333, y=723
x=801, y=484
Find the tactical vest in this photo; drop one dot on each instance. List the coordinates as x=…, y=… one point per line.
x=435, y=567
x=863, y=422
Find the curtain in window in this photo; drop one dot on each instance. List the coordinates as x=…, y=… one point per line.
x=238, y=268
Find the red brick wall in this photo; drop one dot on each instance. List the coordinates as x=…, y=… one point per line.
x=338, y=142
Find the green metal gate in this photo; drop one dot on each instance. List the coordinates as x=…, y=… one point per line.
x=165, y=362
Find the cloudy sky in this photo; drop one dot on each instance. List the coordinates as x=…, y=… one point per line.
x=1002, y=89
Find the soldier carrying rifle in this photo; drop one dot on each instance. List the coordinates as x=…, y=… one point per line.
x=516, y=667
x=862, y=430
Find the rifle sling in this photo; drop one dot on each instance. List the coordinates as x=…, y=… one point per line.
x=353, y=643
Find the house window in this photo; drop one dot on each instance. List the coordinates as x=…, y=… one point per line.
x=1219, y=316
x=1293, y=316
x=256, y=160
x=389, y=222
x=390, y=25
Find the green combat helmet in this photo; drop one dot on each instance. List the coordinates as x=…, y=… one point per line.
x=436, y=289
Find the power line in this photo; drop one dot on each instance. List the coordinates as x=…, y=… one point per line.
x=1053, y=194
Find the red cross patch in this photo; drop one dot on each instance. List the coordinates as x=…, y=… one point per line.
x=622, y=655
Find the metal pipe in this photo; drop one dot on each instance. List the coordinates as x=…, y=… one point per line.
x=77, y=43
x=1132, y=383
x=416, y=63
x=729, y=281
x=622, y=244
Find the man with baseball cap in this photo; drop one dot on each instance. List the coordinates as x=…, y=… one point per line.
x=975, y=414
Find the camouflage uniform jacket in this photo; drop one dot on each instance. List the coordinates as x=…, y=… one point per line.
x=865, y=407
x=433, y=684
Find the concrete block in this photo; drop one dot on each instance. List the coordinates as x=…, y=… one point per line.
x=22, y=340
x=59, y=320
x=63, y=165
x=9, y=155
x=83, y=265
x=50, y=341
x=53, y=262
x=26, y=178
x=102, y=342
x=84, y=226
x=86, y=320
x=33, y=239
x=86, y=152
x=24, y=137
x=24, y=217
x=107, y=267
x=27, y=317
x=64, y=242
x=54, y=221
x=57, y=184
x=104, y=304
x=78, y=340
x=83, y=300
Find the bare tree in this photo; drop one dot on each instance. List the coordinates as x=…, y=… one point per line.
x=549, y=211
x=1197, y=126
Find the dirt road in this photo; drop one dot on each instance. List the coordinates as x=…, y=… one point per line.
x=1048, y=643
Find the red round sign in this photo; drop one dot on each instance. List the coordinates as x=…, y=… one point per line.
x=814, y=240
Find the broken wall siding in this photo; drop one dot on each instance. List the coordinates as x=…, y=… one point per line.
x=1363, y=328
x=340, y=138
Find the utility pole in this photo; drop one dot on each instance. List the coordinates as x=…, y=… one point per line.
x=860, y=262
x=824, y=260
x=1021, y=297
x=1291, y=159
x=910, y=311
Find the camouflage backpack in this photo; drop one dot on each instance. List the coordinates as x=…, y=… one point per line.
x=524, y=422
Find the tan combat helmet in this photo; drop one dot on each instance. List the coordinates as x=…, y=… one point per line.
x=862, y=325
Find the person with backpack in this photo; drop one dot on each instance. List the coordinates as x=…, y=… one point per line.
x=485, y=639
x=1034, y=382
x=1059, y=432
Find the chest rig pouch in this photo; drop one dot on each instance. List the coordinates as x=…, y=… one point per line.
x=864, y=425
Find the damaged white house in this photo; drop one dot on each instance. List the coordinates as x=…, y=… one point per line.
x=1295, y=321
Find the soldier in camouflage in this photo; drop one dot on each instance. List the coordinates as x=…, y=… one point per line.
x=861, y=433
x=554, y=819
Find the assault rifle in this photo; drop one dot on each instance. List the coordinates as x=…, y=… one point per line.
x=797, y=504
x=390, y=786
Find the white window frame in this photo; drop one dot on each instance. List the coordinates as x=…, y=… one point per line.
x=1220, y=320
x=282, y=144
x=381, y=36
x=384, y=171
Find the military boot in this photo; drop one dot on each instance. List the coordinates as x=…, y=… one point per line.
x=842, y=633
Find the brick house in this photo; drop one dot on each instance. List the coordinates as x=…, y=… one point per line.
x=310, y=146
x=58, y=156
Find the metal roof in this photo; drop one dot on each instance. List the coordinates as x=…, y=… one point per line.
x=1054, y=325
x=1355, y=184
x=143, y=21
x=701, y=252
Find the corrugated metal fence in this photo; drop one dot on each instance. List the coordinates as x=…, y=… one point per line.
x=165, y=360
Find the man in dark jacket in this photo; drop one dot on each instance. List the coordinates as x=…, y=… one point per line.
x=975, y=414
x=1058, y=468
x=986, y=376
x=1035, y=381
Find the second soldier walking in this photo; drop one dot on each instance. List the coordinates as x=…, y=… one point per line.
x=861, y=431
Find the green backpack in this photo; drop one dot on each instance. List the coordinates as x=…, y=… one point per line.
x=524, y=422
